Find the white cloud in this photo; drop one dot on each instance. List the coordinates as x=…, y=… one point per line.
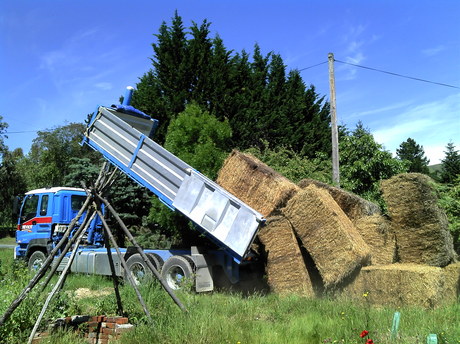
x=391, y=107
x=431, y=125
x=104, y=86
x=433, y=51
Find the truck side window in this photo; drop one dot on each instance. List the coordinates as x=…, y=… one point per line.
x=44, y=205
x=77, y=202
x=29, y=211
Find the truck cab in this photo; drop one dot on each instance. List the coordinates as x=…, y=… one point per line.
x=43, y=218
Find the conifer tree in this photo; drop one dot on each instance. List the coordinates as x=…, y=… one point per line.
x=450, y=164
x=414, y=154
x=253, y=93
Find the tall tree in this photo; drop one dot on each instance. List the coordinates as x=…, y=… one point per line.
x=11, y=181
x=49, y=159
x=364, y=163
x=199, y=139
x=414, y=154
x=253, y=94
x=450, y=164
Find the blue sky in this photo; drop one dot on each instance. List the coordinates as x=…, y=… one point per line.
x=60, y=59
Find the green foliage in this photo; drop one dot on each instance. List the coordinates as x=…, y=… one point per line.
x=450, y=164
x=47, y=163
x=3, y=127
x=11, y=181
x=450, y=202
x=11, y=185
x=258, y=99
x=364, y=163
x=199, y=139
x=292, y=165
x=221, y=317
x=414, y=154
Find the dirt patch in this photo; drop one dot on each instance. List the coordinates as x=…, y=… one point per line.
x=83, y=293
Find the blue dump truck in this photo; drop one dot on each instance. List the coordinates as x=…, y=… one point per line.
x=123, y=135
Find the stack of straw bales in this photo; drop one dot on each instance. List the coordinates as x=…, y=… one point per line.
x=422, y=276
x=316, y=230
x=304, y=228
x=421, y=227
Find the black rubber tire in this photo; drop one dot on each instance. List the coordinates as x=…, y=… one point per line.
x=36, y=260
x=178, y=273
x=139, y=269
x=157, y=261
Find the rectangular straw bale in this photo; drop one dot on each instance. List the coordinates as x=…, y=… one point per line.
x=354, y=206
x=421, y=226
x=255, y=183
x=398, y=285
x=451, y=283
x=328, y=235
x=377, y=233
x=285, y=269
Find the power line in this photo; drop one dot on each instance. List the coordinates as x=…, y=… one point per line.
x=397, y=74
x=316, y=65
x=21, y=132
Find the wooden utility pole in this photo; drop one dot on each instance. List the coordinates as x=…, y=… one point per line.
x=335, y=139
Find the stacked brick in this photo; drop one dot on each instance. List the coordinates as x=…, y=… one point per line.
x=97, y=329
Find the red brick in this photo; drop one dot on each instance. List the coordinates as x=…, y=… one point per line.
x=110, y=325
x=108, y=330
x=118, y=320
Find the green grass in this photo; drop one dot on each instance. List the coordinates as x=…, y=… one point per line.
x=224, y=318
x=8, y=240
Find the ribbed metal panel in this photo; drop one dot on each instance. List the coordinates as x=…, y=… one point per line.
x=226, y=219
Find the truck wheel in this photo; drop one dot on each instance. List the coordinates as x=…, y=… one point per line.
x=139, y=270
x=178, y=273
x=36, y=260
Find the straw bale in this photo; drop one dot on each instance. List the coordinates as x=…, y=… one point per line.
x=451, y=283
x=285, y=269
x=255, y=183
x=421, y=226
x=378, y=234
x=354, y=206
x=398, y=285
x=328, y=235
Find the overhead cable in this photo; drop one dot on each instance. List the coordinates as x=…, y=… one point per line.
x=396, y=74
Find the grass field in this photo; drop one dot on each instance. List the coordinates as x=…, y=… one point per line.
x=7, y=240
x=221, y=317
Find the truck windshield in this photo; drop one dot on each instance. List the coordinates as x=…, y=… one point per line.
x=77, y=202
x=29, y=210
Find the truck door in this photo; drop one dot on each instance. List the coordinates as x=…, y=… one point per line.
x=34, y=220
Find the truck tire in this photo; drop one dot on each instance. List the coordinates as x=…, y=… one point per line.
x=139, y=270
x=178, y=273
x=36, y=260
